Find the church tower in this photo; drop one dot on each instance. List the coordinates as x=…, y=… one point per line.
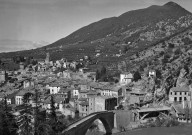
x=47, y=59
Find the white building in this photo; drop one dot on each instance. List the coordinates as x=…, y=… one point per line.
x=152, y=73
x=126, y=78
x=179, y=94
x=54, y=88
x=76, y=93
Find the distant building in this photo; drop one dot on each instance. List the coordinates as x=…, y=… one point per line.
x=180, y=111
x=47, y=59
x=179, y=94
x=11, y=98
x=54, y=88
x=19, y=97
x=28, y=83
x=126, y=78
x=83, y=108
x=21, y=66
x=2, y=76
x=152, y=73
x=136, y=97
x=101, y=103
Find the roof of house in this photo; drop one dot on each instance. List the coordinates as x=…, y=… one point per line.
x=180, y=89
x=21, y=93
x=105, y=97
x=152, y=109
x=70, y=107
x=82, y=99
x=92, y=92
x=65, y=90
x=84, y=103
x=179, y=108
x=128, y=75
x=57, y=99
x=83, y=91
x=137, y=92
x=12, y=95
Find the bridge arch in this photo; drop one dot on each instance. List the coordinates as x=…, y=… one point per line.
x=80, y=127
x=105, y=123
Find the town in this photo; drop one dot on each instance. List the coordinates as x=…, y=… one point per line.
x=65, y=92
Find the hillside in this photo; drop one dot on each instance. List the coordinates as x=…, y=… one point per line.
x=119, y=38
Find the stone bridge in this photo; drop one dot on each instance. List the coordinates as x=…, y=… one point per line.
x=81, y=126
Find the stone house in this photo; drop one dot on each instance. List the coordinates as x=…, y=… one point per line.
x=101, y=103
x=181, y=110
x=136, y=97
x=179, y=94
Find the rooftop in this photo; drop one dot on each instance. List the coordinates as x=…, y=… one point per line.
x=153, y=109
x=180, y=89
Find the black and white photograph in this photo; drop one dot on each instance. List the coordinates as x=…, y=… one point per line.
x=95, y=67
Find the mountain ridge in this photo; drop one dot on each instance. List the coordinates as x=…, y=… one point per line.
x=168, y=9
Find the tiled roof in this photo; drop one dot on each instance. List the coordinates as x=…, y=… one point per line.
x=12, y=95
x=92, y=92
x=151, y=109
x=63, y=90
x=57, y=99
x=83, y=91
x=180, y=89
x=84, y=103
x=179, y=108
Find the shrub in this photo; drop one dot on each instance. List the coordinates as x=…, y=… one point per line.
x=171, y=45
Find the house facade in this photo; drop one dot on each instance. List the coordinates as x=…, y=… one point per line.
x=126, y=78
x=179, y=94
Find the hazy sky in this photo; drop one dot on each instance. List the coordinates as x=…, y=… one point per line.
x=50, y=20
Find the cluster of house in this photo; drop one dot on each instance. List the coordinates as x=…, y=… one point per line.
x=80, y=92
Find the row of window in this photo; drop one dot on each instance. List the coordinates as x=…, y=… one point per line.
x=179, y=93
x=180, y=98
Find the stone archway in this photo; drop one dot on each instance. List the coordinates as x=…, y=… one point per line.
x=105, y=124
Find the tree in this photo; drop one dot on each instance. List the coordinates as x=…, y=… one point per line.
x=158, y=74
x=26, y=120
x=97, y=75
x=125, y=49
x=103, y=71
x=136, y=76
x=52, y=116
x=36, y=112
x=7, y=120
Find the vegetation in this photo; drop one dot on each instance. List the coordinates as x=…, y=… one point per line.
x=7, y=120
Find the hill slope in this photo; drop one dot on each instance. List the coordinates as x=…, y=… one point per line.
x=117, y=25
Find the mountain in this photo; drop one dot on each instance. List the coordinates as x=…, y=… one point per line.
x=121, y=38
x=8, y=45
x=117, y=25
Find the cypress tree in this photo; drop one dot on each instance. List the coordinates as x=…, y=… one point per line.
x=26, y=120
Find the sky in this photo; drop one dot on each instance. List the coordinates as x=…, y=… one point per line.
x=26, y=24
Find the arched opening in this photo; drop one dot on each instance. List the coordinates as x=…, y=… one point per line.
x=98, y=127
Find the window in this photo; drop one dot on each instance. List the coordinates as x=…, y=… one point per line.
x=175, y=93
x=180, y=93
x=185, y=93
x=185, y=98
x=180, y=98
